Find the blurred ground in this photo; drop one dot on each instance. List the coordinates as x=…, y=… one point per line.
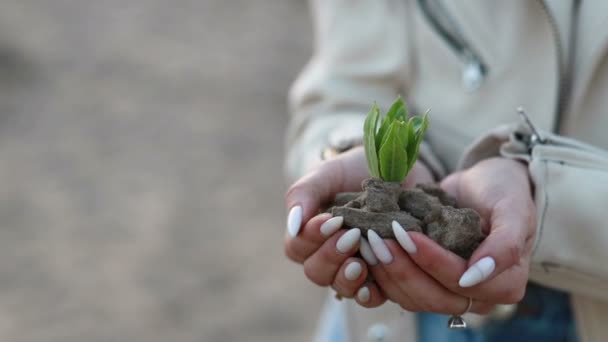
x=140, y=171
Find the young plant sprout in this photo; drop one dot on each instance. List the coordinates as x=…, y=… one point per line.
x=385, y=207
x=392, y=149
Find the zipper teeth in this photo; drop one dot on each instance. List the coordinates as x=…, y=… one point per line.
x=458, y=44
x=569, y=68
x=562, y=81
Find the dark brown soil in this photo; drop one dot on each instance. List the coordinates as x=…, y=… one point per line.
x=427, y=209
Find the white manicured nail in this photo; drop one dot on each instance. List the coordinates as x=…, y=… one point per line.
x=363, y=294
x=353, y=270
x=294, y=221
x=366, y=252
x=379, y=247
x=477, y=273
x=331, y=226
x=347, y=241
x=404, y=238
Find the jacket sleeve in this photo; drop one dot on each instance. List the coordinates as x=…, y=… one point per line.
x=360, y=56
x=571, y=195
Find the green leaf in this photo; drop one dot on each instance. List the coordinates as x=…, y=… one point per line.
x=369, y=140
x=416, y=122
x=411, y=137
x=398, y=111
x=405, y=134
x=392, y=154
x=382, y=131
x=417, y=128
x=421, y=124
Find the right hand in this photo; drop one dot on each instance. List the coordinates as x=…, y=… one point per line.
x=316, y=241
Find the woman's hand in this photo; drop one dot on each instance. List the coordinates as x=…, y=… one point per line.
x=430, y=278
x=316, y=241
x=499, y=189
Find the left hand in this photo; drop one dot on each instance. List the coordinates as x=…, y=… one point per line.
x=325, y=262
x=431, y=278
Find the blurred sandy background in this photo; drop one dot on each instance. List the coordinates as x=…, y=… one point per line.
x=140, y=171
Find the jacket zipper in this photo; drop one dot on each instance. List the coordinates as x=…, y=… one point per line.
x=564, y=73
x=560, y=61
x=474, y=69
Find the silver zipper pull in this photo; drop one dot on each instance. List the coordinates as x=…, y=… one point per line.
x=472, y=74
x=535, y=137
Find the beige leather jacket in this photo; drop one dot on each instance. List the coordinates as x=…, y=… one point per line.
x=472, y=63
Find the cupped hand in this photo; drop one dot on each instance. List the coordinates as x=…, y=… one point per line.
x=316, y=241
x=420, y=275
x=499, y=190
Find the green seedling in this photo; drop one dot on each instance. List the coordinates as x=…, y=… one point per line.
x=392, y=149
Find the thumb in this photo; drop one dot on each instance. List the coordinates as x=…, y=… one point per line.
x=450, y=184
x=316, y=189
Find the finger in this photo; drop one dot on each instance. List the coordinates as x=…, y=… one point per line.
x=418, y=174
x=370, y=295
x=384, y=281
x=512, y=227
x=350, y=277
x=312, y=236
x=322, y=266
x=319, y=187
x=438, y=262
x=447, y=268
x=450, y=184
x=391, y=290
x=427, y=293
x=366, y=252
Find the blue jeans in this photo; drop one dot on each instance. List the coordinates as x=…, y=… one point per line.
x=543, y=315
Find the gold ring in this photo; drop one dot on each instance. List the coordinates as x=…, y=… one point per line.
x=456, y=321
x=469, y=306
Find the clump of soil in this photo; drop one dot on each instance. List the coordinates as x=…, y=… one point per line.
x=426, y=209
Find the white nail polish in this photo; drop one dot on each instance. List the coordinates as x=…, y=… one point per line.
x=348, y=241
x=294, y=221
x=477, y=273
x=363, y=294
x=366, y=252
x=379, y=247
x=353, y=270
x=331, y=226
x=404, y=238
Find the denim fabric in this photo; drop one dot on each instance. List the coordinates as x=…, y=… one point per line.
x=543, y=315
x=332, y=324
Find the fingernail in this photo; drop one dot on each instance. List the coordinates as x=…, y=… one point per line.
x=347, y=241
x=379, y=247
x=294, y=221
x=363, y=294
x=366, y=252
x=404, y=238
x=477, y=273
x=353, y=270
x=331, y=226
